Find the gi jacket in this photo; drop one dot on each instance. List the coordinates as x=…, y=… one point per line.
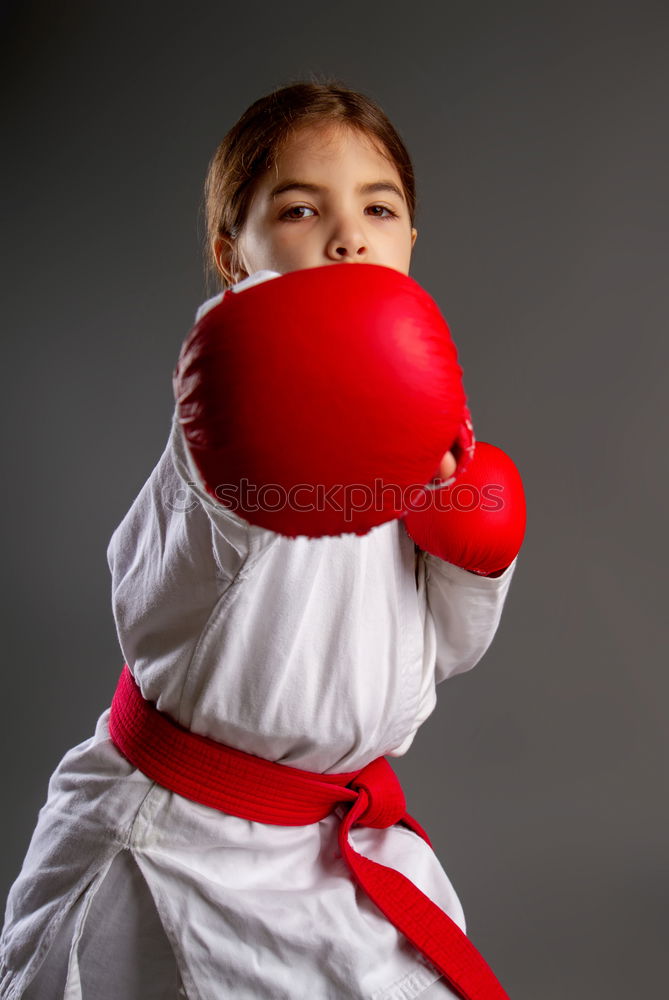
x=319, y=653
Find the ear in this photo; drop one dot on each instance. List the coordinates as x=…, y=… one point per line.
x=414, y=234
x=227, y=260
x=223, y=247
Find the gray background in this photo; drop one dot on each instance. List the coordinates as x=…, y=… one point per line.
x=539, y=138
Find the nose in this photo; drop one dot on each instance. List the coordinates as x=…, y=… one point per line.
x=347, y=243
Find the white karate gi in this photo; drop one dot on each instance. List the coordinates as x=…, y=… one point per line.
x=318, y=653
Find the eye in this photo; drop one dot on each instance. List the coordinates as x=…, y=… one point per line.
x=296, y=208
x=384, y=208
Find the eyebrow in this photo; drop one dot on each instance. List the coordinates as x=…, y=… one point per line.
x=373, y=188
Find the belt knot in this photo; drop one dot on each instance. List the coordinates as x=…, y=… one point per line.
x=385, y=802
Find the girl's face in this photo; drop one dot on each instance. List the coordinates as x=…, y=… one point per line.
x=330, y=198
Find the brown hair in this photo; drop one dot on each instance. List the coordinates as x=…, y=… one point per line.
x=253, y=143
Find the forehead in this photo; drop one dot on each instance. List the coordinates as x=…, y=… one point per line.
x=316, y=146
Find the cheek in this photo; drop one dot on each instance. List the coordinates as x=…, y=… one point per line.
x=254, y=244
x=403, y=247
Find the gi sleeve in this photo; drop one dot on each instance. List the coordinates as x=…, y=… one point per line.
x=234, y=540
x=463, y=612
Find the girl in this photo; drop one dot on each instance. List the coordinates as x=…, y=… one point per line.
x=321, y=654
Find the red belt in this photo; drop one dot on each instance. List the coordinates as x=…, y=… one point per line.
x=238, y=783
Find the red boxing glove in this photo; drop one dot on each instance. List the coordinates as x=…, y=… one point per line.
x=315, y=403
x=478, y=522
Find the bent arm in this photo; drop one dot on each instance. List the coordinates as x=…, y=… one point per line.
x=463, y=613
